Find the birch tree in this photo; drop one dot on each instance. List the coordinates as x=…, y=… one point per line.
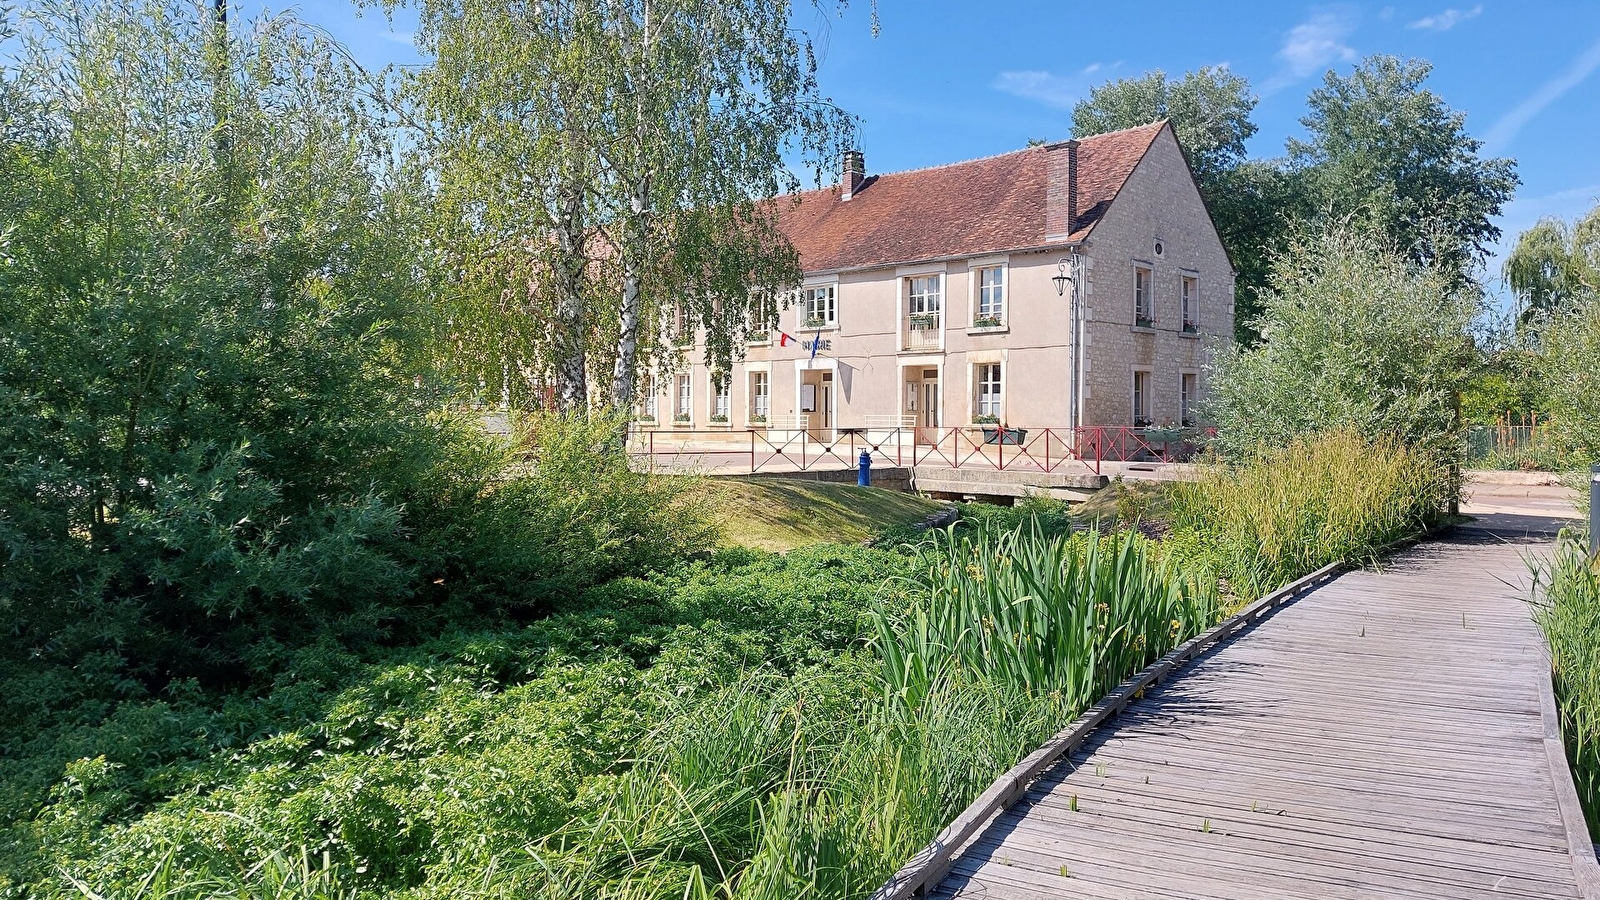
x=604, y=164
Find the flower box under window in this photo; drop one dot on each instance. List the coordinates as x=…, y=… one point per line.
x=987, y=322
x=1012, y=436
x=1191, y=328
x=814, y=322
x=1142, y=322
x=761, y=337
x=682, y=419
x=719, y=420
x=924, y=321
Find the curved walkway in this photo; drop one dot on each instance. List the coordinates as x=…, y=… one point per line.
x=1389, y=734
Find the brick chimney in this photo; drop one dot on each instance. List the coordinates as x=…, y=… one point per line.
x=1061, y=199
x=855, y=172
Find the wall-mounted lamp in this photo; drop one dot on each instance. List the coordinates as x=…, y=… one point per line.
x=1062, y=279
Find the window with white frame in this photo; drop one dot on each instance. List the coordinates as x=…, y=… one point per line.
x=719, y=397
x=991, y=310
x=925, y=298
x=1144, y=302
x=1141, y=398
x=647, y=409
x=684, y=411
x=819, y=307
x=761, y=318
x=760, y=397
x=989, y=392
x=1188, y=388
x=1191, y=304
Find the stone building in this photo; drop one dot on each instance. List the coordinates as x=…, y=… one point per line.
x=944, y=297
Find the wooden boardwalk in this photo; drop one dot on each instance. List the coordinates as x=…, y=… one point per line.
x=1385, y=735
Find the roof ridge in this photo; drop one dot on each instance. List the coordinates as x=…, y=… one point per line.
x=991, y=156
x=1156, y=124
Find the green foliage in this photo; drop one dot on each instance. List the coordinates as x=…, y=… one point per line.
x=1292, y=510
x=1568, y=588
x=1209, y=109
x=1384, y=149
x=1051, y=517
x=1066, y=616
x=1570, y=372
x=1355, y=337
x=1554, y=264
x=431, y=768
x=602, y=166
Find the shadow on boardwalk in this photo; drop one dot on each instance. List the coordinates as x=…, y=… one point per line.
x=1383, y=736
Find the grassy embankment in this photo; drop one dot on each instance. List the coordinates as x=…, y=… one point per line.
x=780, y=514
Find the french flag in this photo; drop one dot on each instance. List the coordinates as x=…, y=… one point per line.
x=784, y=338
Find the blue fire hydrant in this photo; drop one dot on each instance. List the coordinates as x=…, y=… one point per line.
x=864, y=469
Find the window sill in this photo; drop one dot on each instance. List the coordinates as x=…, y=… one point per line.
x=1189, y=334
x=1142, y=329
x=813, y=329
x=719, y=426
x=989, y=329
x=682, y=424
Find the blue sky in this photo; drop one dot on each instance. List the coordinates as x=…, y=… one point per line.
x=947, y=80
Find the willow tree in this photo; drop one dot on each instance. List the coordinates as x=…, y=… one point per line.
x=1553, y=264
x=605, y=167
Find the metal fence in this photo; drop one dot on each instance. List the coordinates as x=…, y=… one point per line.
x=988, y=447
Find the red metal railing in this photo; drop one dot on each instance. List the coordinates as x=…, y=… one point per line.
x=990, y=447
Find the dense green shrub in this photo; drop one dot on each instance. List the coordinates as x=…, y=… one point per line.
x=1290, y=511
x=1570, y=369
x=1568, y=587
x=429, y=765
x=1354, y=336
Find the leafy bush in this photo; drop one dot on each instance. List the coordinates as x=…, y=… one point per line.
x=1569, y=588
x=1355, y=337
x=1570, y=369
x=428, y=767
x=1290, y=511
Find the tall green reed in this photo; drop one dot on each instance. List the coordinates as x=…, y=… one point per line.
x=1567, y=588
x=1292, y=510
x=1066, y=617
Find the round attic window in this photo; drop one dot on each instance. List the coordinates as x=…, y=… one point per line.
x=1159, y=247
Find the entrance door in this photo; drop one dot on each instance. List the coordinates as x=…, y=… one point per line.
x=825, y=401
x=930, y=407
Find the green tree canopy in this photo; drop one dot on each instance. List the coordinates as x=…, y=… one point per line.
x=1383, y=148
x=603, y=171
x=1554, y=264
x=1356, y=336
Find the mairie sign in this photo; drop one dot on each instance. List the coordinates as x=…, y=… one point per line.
x=821, y=344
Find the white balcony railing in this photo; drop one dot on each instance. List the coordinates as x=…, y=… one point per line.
x=923, y=331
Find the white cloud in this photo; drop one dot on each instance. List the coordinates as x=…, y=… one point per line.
x=1446, y=20
x=1312, y=46
x=1059, y=91
x=404, y=38
x=1504, y=131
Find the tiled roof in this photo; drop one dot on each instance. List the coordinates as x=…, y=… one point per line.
x=980, y=206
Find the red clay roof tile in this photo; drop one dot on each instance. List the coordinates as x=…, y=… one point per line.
x=981, y=206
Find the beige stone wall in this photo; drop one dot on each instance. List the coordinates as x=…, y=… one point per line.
x=870, y=366
x=1158, y=202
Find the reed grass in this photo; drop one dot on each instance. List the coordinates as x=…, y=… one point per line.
x=1567, y=588
x=822, y=786
x=1292, y=510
